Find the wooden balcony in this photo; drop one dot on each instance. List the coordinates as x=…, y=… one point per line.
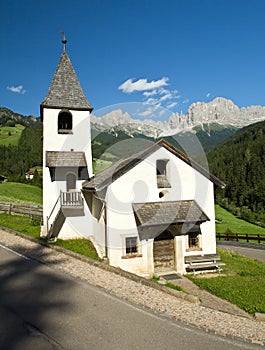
x=71, y=200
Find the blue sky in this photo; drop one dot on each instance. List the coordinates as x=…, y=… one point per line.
x=159, y=53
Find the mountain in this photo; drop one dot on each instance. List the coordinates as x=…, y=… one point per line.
x=116, y=121
x=219, y=111
x=240, y=162
x=224, y=112
x=10, y=118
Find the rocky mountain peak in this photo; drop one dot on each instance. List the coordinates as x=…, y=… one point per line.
x=220, y=110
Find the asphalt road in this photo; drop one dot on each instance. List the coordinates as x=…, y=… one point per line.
x=249, y=250
x=41, y=308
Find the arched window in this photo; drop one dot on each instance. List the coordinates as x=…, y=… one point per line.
x=70, y=182
x=65, y=123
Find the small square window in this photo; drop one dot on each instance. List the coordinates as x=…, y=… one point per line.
x=131, y=245
x=193, y=240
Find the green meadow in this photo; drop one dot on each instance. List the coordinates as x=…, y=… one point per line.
x=10, y=135
x=241, y=282
x=227, y=221
x=19, y=192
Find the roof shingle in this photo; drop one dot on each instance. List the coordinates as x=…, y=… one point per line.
x=165, y=213
x=65, y=159
x=122, y=166
x=65, y=90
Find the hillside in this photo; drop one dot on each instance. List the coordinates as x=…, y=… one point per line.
x=20, y=145
x=110, y=143
x=10, y=118
x=21, y=193
x=240, y=163
x=10, y=135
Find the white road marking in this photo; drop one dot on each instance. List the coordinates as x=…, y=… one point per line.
x=14, y=252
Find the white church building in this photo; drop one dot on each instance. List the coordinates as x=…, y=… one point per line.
x=148, y=212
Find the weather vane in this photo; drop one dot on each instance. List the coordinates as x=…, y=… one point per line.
x=64, y=41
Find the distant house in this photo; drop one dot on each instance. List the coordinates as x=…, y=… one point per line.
x=3, y=178
x=147, y=212
x=29, y=175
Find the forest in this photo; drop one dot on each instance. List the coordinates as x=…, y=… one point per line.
x=16, y=160
x=239, y=162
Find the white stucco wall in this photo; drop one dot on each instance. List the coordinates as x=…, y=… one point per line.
x=78, y=141
x=140, y=185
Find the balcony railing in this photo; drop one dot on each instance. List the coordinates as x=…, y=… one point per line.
x=71, y=200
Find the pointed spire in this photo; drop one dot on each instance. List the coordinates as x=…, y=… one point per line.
x=65, y=90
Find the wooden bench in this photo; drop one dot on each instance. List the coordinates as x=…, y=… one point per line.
x=203, y=262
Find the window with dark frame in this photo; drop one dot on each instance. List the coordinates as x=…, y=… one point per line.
x=131, y=245
x=65, y=122
x=161, y=173
x=161, y=167
x=193, y=240
x=70, y=182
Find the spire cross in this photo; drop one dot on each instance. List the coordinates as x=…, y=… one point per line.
x=64, y=41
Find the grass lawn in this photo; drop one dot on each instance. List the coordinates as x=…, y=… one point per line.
x=25, y=225
x=18, y=192
x=81, y=246
x=10, y=135
x=226, y=220
x=21, y=224
x=100, y=164
x=241, y=282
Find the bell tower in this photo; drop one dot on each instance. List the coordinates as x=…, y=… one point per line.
x=67, y=156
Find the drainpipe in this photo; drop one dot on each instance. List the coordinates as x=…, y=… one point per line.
x=106, y=230
x=105, y=225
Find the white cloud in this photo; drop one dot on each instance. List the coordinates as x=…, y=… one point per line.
x=163, y=91
x=208, y=95
x=151, y=101
x=168, y=96
x=150, y=93
x=186, y=101
x=162, y=112
x=18, y=89
x=145, y=113
x=150, y=110
x=171, y=105
x=142, y=85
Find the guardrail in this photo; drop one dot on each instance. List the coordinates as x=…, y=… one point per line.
x=240, y=237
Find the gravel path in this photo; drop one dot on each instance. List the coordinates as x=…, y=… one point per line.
x=160, y=302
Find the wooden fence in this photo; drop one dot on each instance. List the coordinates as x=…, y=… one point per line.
x=240, y=237
x=34, y=212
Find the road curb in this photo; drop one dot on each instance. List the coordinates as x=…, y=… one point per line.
x=103, y=265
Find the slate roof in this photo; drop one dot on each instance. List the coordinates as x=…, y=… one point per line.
x=65, y=159
x=65, y=90
x=165, y=213
x=122, y=166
